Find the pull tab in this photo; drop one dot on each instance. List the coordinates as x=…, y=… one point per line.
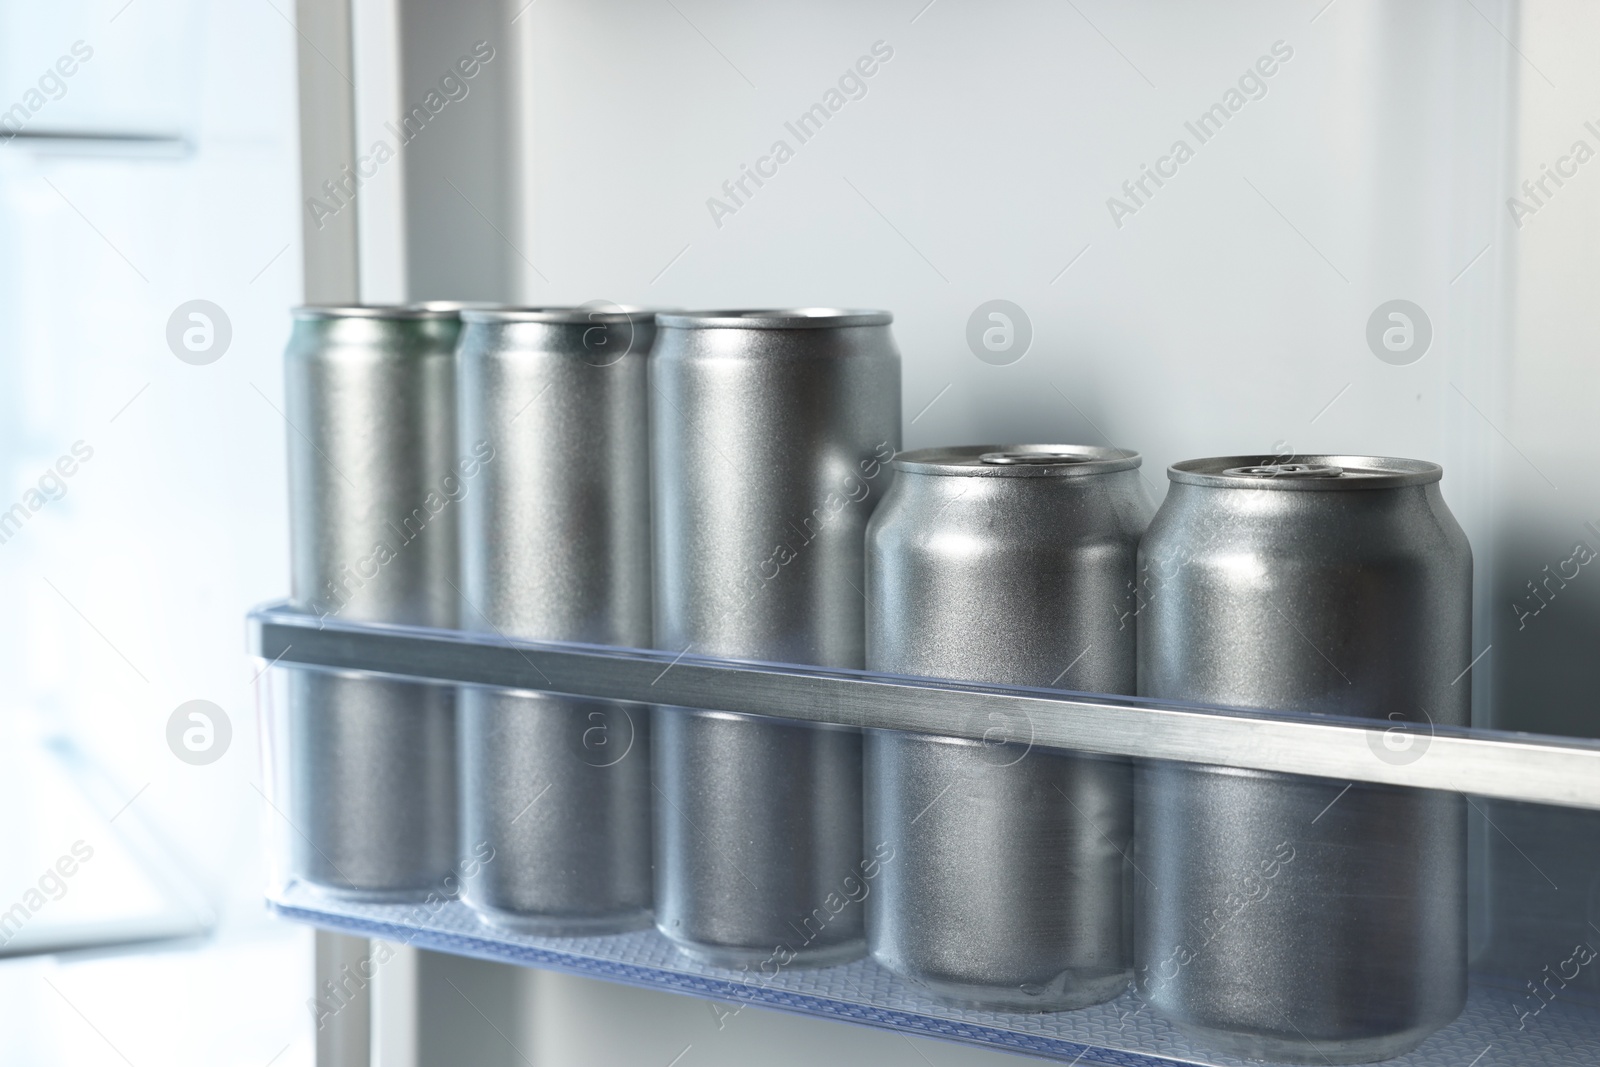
x=1288, y=470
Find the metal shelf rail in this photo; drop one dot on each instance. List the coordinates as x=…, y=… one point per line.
x=1486, y=763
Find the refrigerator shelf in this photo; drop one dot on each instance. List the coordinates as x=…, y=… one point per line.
x=1533, y=1000
x=1486, y=763
x=1123, y=1032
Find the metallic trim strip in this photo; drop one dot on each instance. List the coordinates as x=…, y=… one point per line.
x=1506, y=766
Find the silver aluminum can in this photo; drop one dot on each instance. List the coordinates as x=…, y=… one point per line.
x=373, y=480
x=556, y=546
x=771, y=433
x=1007, y=564
x=1282, y=917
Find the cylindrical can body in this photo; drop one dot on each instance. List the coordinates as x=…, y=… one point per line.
x=771, y=434
x=556, y=546
x=372, y=785
x=370, y=403
x=1008, y=887
x=1283, y=917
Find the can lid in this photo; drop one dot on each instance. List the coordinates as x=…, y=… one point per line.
x=1304, y=472
x=774, y=319
x=598, y=312
x=430, y=309
x=1017, y=461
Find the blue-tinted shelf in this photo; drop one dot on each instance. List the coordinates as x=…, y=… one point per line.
x=1122, y=1033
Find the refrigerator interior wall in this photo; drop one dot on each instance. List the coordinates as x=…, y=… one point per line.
x=1546, y=500
x=1222, y=311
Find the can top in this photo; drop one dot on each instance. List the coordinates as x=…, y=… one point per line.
x=1305, y=472
x=775, y=319
x=1017, y=461
x=428, y=309
x=600, y=312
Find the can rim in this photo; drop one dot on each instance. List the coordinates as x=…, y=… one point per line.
x=431, y=309
x=449, y=305
x=968, y=461
x=795, y=318
x=1316, y=473
x=576, y=315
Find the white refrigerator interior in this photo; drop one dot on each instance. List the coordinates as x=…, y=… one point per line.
x=1346, y=227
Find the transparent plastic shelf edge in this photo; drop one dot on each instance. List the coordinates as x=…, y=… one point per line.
x=1121, y=1033
x=1544, y=770
x=486, y=946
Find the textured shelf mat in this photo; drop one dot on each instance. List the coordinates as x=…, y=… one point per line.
x=1122, y=1033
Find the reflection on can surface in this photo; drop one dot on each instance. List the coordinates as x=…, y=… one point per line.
x=373, y=481
x=771, y=433
x=1008, y=564
x=556, y=546
x=1282, y=917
